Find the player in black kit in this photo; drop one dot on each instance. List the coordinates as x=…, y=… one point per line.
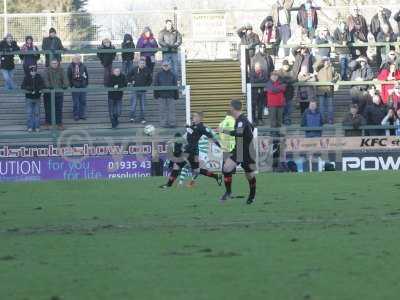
x=190, y=154
x=243, y=154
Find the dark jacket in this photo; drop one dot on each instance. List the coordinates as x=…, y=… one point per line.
x=366, y=73
x=355, y=122
x=29, y=59
x=312, y=119
x=258, y=78
x=298, y=60
x=34, y=85
x=286, y=77
x=251, y=40
x=78, y=79
x=374, y=114
x=358, y=28
x=340, y=37
x=321, y=52
x=396, y=17
x=54, y=43
x=170, y=39
x=302, y=17
x=381, y=37
x=128, y=44
x=376, y=25
x=140, y=77
x=165, y=78
x=7, y=61
x=266, y=61
x=106, y=59
x=55, y=78
x=117, y=82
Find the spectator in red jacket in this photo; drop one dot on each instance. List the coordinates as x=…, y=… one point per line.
x=388, y=74
x=394, y=97
x=275, y=93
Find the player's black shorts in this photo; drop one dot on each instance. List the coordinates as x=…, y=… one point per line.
x=245, y=161
x=192, y=158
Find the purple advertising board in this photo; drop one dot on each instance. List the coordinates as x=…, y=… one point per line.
x=49, y=162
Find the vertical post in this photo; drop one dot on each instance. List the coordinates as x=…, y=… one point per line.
x=5, y=16
x=187, y=104
x=183, y=65
x=248, y=103
x=53, y=109
x=243, y=67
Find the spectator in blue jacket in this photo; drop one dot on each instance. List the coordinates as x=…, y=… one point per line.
x=312, y=118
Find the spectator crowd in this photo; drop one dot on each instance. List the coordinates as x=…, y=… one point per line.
x=130, y=74
x=343, y=59
x=338, y=57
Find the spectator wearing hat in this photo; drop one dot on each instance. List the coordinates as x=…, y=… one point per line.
x=326, y=72
x=55, y=78
x=140, y=76
x=166, y=98
x=148, y=41
x=312, y=118
x=249, y=39
x=29, y=60
x=106, y=59
x=307, y=18
x=360, y=71
x=171, y=39
x=286, y=77
x=78, y=77
x=33, y=84
x=275, y=91
x=127, y=57
x=342, y=36
x=117, y=81
x=52, y=43
x=258, y=76
x=323, y=38
x=282, y=17
x=270, y=35
x=354, y=120
x=7, y=60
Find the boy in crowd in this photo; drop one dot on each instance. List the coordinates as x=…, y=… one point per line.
x=117, y=81
x=140, y=76
x=33, y=84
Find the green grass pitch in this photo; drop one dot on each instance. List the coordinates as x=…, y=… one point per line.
x=309, y=236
